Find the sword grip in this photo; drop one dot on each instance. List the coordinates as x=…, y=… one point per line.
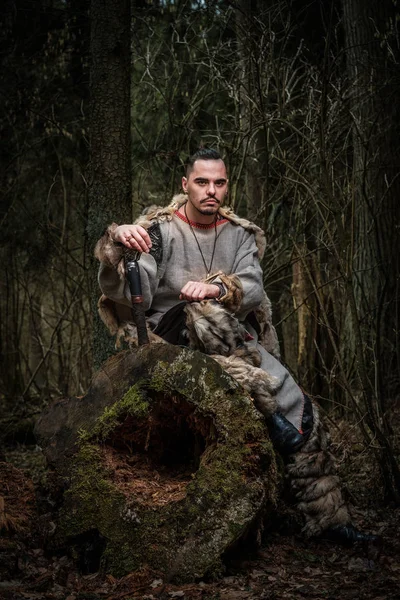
x=134, y=281
x=132, y=273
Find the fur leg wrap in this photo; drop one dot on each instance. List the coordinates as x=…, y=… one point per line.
x=215, y=331
x=314, y=484
x=256, y=382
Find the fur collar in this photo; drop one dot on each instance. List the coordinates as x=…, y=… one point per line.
x=162, y=214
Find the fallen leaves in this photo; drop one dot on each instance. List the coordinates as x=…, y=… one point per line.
x=17, y=501
x=135, y=477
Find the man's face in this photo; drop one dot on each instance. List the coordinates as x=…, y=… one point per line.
x=206, y=186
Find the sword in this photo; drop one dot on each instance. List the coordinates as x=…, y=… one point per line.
x=132, y=273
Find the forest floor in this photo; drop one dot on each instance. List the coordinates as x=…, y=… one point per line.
x=285, y=567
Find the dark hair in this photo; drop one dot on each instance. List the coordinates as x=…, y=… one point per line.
x=201, y=154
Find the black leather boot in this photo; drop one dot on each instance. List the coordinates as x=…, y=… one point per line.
x=349, y=535
x=285, y=437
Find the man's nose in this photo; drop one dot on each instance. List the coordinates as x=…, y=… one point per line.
x=211, y=189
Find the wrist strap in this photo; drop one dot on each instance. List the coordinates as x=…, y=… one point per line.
x=222, y=290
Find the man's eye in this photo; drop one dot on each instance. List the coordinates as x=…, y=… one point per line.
x=220, y=183
x=201, y=182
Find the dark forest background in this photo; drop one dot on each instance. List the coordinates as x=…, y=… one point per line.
x=302, y=98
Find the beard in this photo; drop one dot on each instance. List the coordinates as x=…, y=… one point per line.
x=201, y=208
x=209, y=210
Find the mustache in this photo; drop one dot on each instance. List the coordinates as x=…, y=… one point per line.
x=213, y=198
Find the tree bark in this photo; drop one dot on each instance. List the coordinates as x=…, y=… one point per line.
x=167, y=461
x=250, y=33
x=110, y=136
x=305, y=303
x=372, y=284
x=372, y=62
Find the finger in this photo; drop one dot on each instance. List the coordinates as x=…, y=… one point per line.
x=194, y=291
x=199, y=294
x=188, y=294
x=135, y=240
x=186, y=288
x=140, y=243
x=127, y=239
x=135, y=236
x=133, y=244
x=144, y=235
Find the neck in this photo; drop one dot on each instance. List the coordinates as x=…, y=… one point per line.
x=193, y=214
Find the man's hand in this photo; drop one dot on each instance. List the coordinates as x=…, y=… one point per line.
x=194, y=291
x=133, y=236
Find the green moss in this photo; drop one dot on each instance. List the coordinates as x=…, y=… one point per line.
x=120, y=559
x=236, y=530
x=133, y=403
x=93, y=502
x=165, y=373
x=221, y=476
x=90, y=496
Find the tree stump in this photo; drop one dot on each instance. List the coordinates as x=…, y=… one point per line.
x=165, y=462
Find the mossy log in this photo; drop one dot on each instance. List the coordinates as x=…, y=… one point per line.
x=165, y=462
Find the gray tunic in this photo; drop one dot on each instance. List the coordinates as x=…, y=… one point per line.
x=235, y=253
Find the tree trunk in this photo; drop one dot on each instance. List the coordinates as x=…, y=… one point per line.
x=372, y=63
x=110, y=136
x=305, y=303
x=36, y=350
x=250, y=34
x=168, y=464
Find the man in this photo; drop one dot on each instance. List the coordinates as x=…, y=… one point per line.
x=195, y=251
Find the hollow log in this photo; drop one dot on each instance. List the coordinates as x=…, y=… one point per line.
x=165, y=462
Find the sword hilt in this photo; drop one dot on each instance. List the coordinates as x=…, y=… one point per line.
x=132, y=273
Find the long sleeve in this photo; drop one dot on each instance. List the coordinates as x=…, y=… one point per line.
x=247, y=267
x=116, y=288
x=111, y=275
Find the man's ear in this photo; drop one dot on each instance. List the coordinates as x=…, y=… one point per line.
x=184, y=184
